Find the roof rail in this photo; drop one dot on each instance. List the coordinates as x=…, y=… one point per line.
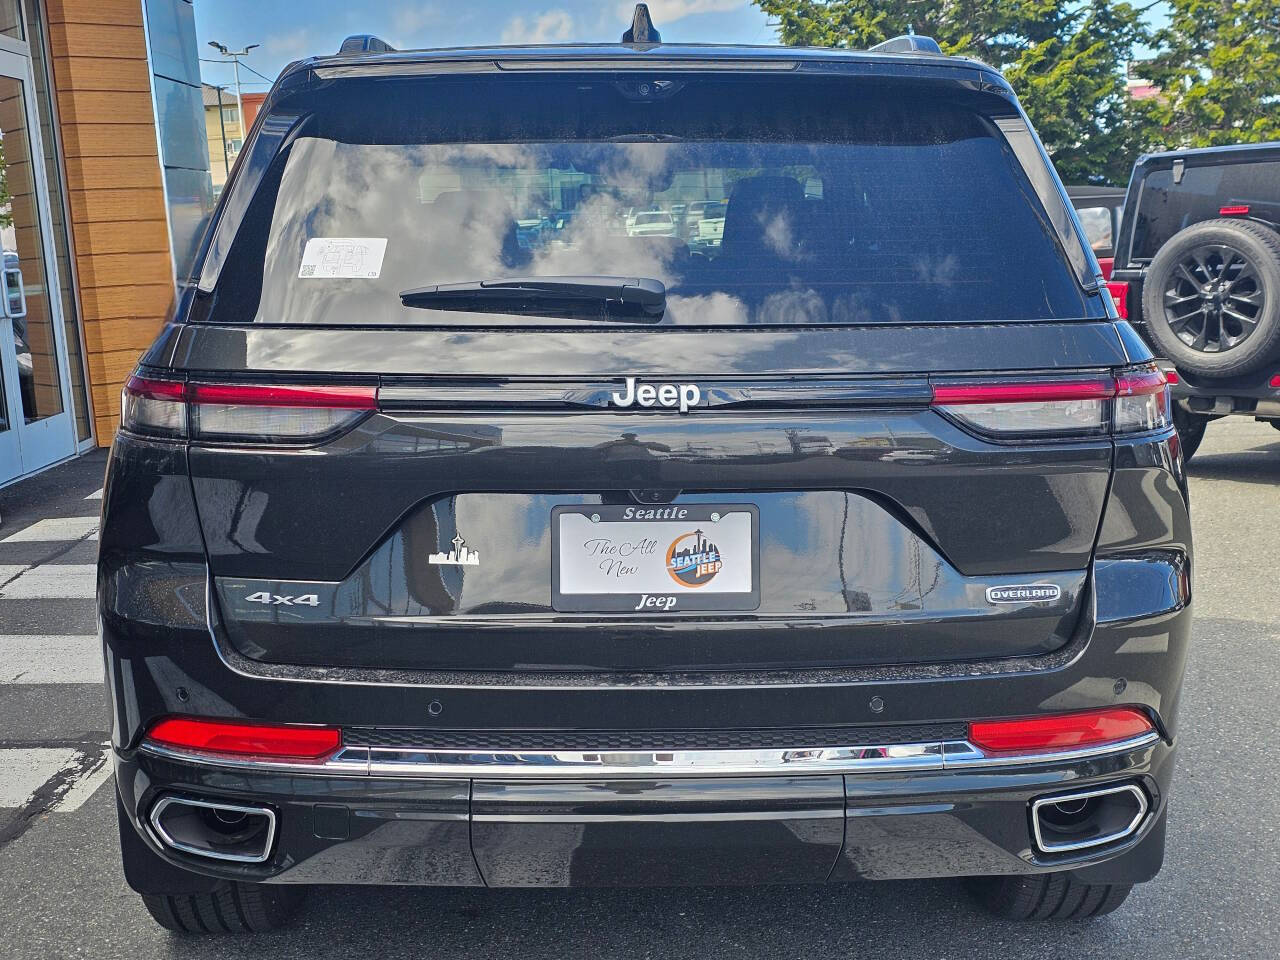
x=642, y=29
x=365, y=43
x=908, y=43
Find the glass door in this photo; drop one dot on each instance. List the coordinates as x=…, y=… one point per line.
x=36, y=428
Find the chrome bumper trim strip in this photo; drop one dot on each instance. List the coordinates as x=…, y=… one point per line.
x=596, y=765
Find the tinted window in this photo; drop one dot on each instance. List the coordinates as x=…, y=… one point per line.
x=836, y=208
x=1164, y=207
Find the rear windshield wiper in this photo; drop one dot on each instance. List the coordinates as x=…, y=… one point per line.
x=633, y=299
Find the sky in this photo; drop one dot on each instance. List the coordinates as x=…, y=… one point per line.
x=290, y=29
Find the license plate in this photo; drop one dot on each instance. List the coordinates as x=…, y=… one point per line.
x=655, y=559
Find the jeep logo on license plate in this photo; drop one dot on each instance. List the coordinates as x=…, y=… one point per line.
x=1024, y=593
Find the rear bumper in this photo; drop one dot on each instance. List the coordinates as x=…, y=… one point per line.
x=1249, y=395
x=839, y=817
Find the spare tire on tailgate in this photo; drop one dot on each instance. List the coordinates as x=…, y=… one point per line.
x=1211, y=297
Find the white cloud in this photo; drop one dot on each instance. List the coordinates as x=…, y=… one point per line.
x=664, y=12
x=554, y=26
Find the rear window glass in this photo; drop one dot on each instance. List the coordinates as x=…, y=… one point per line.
x=1165, y=207
x=793, y=202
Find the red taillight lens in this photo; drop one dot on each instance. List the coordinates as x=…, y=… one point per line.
x=1028, y=408
x=1142, y=401
x=1136, y=399
x=1275, y=381
x=154, y=407
x=1060, y=731
x=1240, y=210
x=274, y=741
x=242, y=413
x=288, y=413
x=1171, y=377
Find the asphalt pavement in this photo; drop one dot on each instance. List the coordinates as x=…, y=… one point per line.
x=62, y=893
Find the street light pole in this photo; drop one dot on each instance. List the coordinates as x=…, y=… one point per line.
x=234, y=56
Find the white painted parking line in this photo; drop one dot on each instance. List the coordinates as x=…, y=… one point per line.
x=96, y=495
x=56, y=528
x=50, y=659
x=52, y=581
x=10, y=570
x=85, y=787
x=23, y=772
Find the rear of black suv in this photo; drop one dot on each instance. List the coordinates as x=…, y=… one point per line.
x=441, y=546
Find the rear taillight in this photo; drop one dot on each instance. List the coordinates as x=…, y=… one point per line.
x=228, y=737
x=1061, y=731
x=1134, y=400
x=1238, y=210
x=154, y=407
x=242, y=413
x=1142, y=401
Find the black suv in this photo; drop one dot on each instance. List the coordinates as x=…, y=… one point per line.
x=437, y=551
x=1200, y=250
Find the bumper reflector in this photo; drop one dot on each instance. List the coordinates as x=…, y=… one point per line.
x=1060, y=731
x=286, y=742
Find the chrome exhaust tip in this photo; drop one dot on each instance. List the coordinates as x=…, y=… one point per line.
x=214, y=829
x=1062, y=823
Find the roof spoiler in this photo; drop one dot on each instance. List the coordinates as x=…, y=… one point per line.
x=908, y=43
x=365, y=43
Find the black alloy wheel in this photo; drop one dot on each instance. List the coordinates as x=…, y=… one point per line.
x=1213, y=298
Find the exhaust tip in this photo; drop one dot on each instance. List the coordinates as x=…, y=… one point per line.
x=214, y=829
x=1063, y=823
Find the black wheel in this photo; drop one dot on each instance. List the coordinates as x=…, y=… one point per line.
x=1047, y=896
x=1190, y=429
x=1211, y=297
x=231, y=908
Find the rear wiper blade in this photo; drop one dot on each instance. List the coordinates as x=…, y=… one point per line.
x=634, y=299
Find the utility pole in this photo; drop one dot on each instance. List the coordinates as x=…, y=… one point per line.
x=234, y=56
x=222, y=125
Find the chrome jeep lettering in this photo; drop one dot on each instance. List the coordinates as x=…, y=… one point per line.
x=670, y=395
x=662, y=603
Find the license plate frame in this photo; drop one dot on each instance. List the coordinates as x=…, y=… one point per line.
x=652, y=595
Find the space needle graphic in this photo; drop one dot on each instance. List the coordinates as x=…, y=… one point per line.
x=460, y=555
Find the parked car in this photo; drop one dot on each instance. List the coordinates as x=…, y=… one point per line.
x=1199, y=260
x=710, y=227
x=835, y=555
x=652, y=223
x=694, y=213
x=1098, y=209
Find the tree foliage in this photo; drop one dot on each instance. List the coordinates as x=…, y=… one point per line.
x=1065, y=59
x=1218, y=67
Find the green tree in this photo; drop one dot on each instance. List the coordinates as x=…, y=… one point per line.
x=1218, y=67
x=1065, y=59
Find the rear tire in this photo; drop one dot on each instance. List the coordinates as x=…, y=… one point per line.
x=1047, y=896
x=1217, y=284
x=1190, y=429
x=231, y=908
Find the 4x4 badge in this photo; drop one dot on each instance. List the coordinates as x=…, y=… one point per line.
x=460, y=556
x=1024, y=593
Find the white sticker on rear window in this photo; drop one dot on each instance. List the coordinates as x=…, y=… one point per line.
x=343, y=258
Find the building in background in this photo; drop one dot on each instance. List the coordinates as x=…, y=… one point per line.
x=222, y=128
x=104, y=193
x=222, y=132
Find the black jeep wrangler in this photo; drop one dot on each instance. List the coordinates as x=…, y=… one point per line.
x=1199, y=248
